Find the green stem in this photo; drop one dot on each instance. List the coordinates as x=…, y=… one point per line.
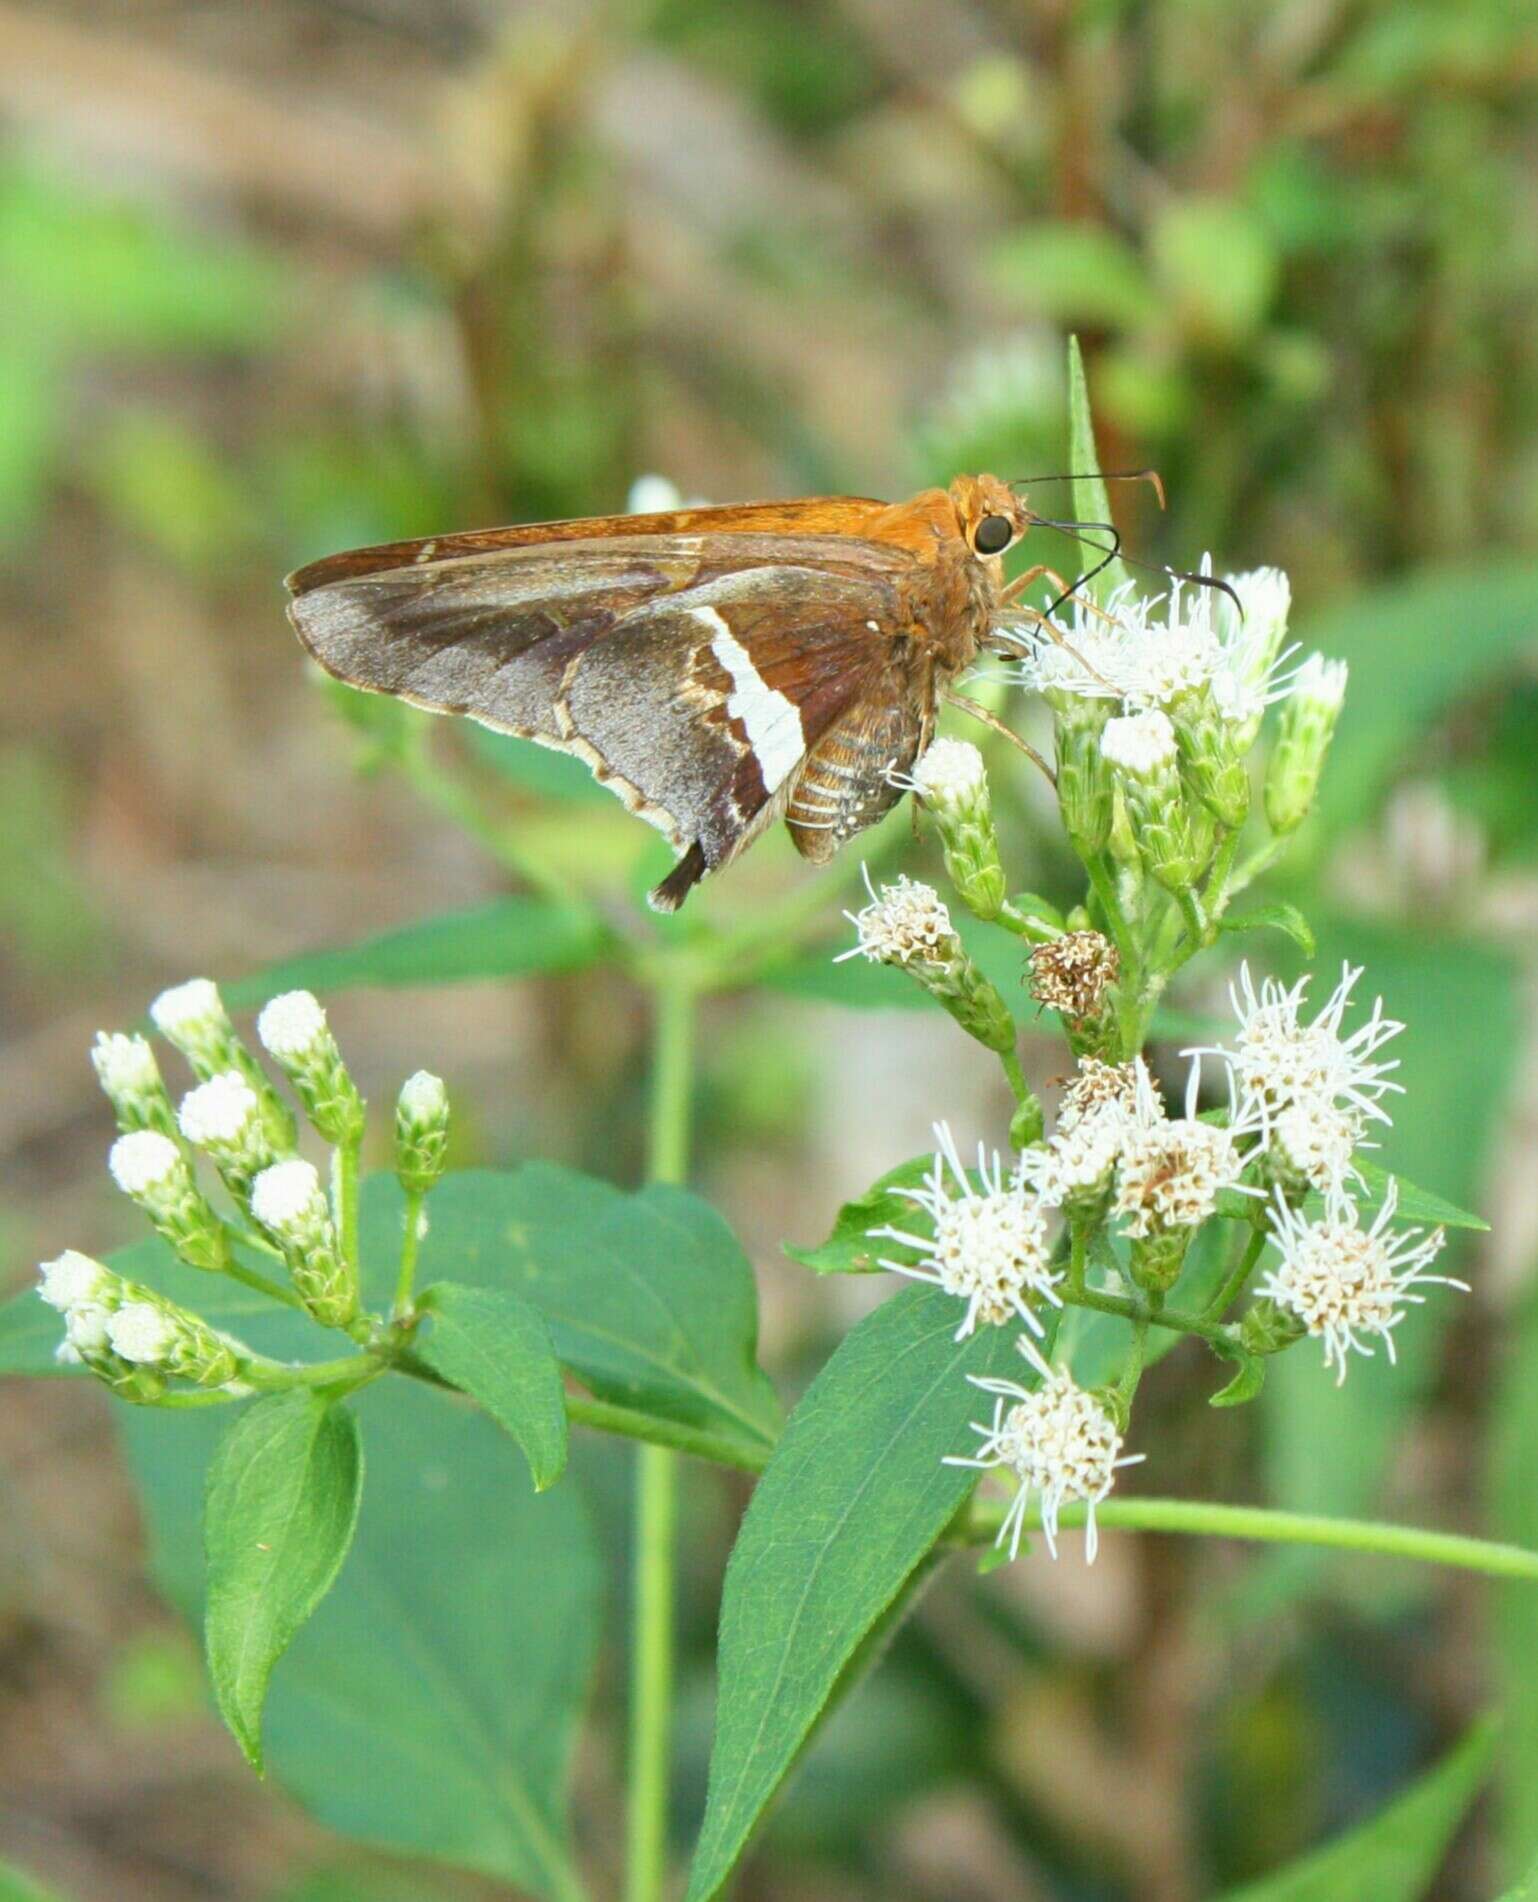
x=1238, y=1275
x=411, y=1242
x=1013, y=1070
x=274, y=1290
x=350, y=1370
x=1195, y=920
x=1174, y=1319
x=656, y=1501
x=1259, y=861
x=347, y=1160
x=1202, y=1519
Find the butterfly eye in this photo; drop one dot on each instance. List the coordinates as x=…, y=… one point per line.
x=994, y=534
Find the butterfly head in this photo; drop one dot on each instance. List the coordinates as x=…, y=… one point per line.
x=992, y=518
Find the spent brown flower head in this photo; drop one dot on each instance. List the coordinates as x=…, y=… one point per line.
x=1072, y=973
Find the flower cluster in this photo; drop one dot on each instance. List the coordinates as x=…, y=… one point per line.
x=233, y=1118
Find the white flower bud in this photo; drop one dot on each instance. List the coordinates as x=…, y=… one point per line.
x=421, y=1132
x=85, y=1331
x=72, y=1280
x=143, y=1333
x=221, y=1113
x=152, y=1170
x=292, y=1025
x=294, y=1031
x=190, y=1012
x=288, y=1201
x=951, y=773
x=143, y=1162
x=1307, y=727
x=1142, y=745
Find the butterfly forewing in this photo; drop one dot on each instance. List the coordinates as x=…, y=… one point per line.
x=694, y=672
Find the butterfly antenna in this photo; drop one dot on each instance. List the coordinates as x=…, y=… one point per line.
x=1075, y=532
x=1150, y=476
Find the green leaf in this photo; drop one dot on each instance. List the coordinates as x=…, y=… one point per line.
x=1415, y=1205
x=1091, y=503
x=849, y=1249
x=1395, y=1856
x=15, y=1887
x=1405, y=670
x=852, y=1501
x=510, y=937
x=1246, y=1383
x=649, y=1298
x=279, y=1515
x=1284, y=918
x=430, y=1705
x=493, y=1346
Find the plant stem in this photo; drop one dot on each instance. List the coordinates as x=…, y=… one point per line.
x=350, y=1370
x=1203, y=1519
x=274, y=1290
x=411, y=1241
x=1238, y=1275
x=347, y=1158
x=656, y=1500
x=1129, y=1309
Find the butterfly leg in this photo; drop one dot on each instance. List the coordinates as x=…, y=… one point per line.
x=962, y=705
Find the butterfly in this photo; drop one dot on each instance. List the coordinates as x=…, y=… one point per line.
x=717, y=668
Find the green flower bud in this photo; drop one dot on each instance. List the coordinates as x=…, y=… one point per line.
x=155, y=1172
x=953, y=784
x=193, y=1018
x=1210, y=758
x=290, y=1204
x=1267, y=1327
x=1084, y=786
x=421, y=1132
x=1156, y=1260
x=1307, y=727
x=295, y=1034
x=131, y=1080
x=1141, y=751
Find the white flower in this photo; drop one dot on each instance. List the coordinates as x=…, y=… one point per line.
x=1315, y=1139
x=1251, y=675
x=125, y=1065
x=1277, y=1059
x=988, y=1249
x=1172, y=1170
x=72, y=1280
x=1099, y=1085
x=288, y=1199
x=1343, y=1281
x=219, y=1112
x=140, y=1331
x=423, y=1098
x=1098, y=656
x=1321, y=683
x=1140, y=744
x=1078, y=1161
x=951, y=772
x=292, y=1025
x=1058, y=1441
x=143, y=1161
x=907, y=923
x=188, y=1008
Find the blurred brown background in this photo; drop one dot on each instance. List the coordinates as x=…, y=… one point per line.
x=275, y=279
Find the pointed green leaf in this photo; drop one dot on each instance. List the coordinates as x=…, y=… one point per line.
x=1091, y=502
x=510, y=937
x=279, y=1515
x=1414, y=1205
x=1284, y=918
x=649, y=1299
x=492, y=1345
x=1395, y=1856
x=849, y=1249
x=1246, y=1383
x=430, y=1706
x=852, y=1501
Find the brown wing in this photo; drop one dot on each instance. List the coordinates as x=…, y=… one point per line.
x=842, y=515
x=693, y=673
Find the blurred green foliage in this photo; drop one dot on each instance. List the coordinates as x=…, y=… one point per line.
x=1299, y=245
